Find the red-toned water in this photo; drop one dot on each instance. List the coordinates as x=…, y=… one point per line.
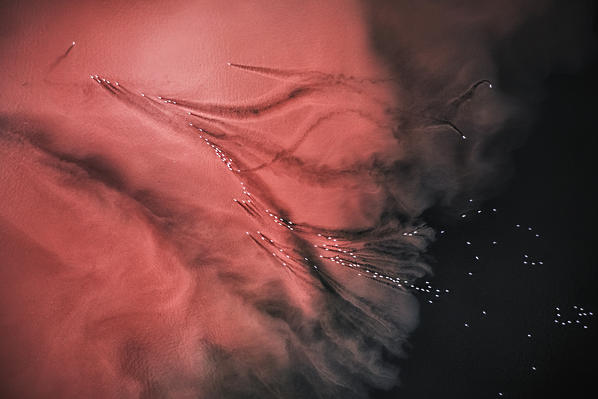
x=173, y=225
x=127, y=270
